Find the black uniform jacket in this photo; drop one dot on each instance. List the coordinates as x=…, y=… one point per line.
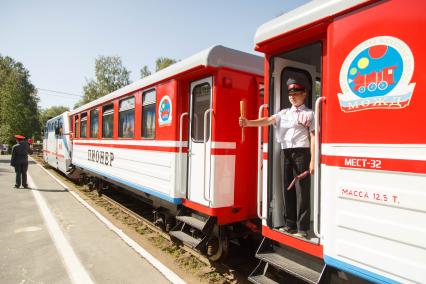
x=20, y=153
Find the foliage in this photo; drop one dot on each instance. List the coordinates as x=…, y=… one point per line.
x=163, y=62
x=160, y=63
x=145, y=72
x=53, y=111
x=110, y=75
x=18, y=102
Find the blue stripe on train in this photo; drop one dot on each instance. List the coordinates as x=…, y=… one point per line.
x=360, y=272
x=136, y=186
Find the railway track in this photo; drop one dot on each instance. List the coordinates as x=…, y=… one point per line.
x=235, y=268
x=154, y=228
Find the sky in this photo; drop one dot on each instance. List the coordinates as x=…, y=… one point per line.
x=58, y=41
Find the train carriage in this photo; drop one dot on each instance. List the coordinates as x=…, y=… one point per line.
x=173, y=138
x=368, y=213
x=57, y=145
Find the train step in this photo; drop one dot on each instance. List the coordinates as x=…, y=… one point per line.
x=262, y=279
x=185, y=238
x=193, y=229
x=193, y=222
x=278, y=263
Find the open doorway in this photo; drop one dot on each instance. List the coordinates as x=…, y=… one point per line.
x=304, y=65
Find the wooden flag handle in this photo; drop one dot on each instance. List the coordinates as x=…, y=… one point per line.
x=242, y=114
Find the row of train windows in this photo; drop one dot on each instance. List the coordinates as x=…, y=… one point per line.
x=53, y=126
x=126, y=119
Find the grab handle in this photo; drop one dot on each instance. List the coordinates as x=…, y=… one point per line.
x=259, y=165
x=180, y=153
x=318, y=112
x=205, y=145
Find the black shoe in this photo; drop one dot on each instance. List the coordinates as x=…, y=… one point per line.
x=287, y=229
x=301, y=234
x=16, y=186
x=26, y=186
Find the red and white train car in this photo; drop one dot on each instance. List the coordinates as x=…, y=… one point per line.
x=369, y=195
x=173, y=138
x=57, y=143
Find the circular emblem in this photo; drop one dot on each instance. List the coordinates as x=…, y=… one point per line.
x=379, y=68
x=165, y=111
x=376, y=66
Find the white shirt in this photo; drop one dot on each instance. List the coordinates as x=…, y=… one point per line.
x=290, y=132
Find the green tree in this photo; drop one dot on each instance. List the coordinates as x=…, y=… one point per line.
x=163, y=62
x=145, y=72
x=53, y=111
x=18, y=102
x=110, y=75
x=160, y=63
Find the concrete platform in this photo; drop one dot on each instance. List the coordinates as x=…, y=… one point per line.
x=80, y=249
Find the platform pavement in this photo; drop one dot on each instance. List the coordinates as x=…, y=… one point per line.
x=28, y=253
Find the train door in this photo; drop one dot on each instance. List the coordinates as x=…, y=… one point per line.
x=199, y=141
x=62, y=153
x=57, y=145
x=284, y=251
x=302, y=64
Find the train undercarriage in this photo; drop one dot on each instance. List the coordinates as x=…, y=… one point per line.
x=185, y=226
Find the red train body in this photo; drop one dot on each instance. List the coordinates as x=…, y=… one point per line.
x=174, y=139
x=369, y=176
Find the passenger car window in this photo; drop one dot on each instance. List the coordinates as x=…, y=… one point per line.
x=94, y=121
x=83, y=125
x=148, y=114
x=201, y=102
x=126, y=114
x=76, y=127
x=107, y=121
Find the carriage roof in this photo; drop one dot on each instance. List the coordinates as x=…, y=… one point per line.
x=215, y=56
x=302, y=16
x=59, y=116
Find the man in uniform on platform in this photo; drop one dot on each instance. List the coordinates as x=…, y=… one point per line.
x=295, y=132
x=19, y=160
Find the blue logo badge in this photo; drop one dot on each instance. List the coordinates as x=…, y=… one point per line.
x=377, y=74
x=165, y=111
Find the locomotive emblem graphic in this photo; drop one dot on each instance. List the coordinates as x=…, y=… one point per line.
x=165, y=111
x=381, y=80
x=376, y=74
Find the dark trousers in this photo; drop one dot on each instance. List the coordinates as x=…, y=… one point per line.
x=295, y=161
x=21, y=171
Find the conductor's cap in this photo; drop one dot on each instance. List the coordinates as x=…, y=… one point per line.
x=17, y=136
x=294, y=85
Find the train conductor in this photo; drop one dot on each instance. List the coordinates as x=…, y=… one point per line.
x=294, y=128
x=19, y=160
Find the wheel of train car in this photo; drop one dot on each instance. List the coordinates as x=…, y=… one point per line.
x=218, y=245
x=100, y=187
x=160, y=221
x=170, y=224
